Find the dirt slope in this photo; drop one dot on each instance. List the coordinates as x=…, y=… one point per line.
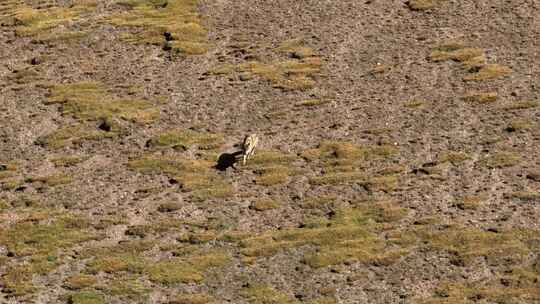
x=398, y=159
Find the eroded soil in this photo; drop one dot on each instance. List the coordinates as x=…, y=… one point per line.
x=398, y=158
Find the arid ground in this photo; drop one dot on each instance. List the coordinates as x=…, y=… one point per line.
x=399, y=154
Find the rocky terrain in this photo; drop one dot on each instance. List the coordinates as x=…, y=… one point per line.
x=398, y=159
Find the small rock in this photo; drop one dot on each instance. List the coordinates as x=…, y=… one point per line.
x=169, y=207
x=245, y=77
x=35, y=61
x=534, y=175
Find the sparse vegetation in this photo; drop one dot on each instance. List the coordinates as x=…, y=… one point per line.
x=311, y=102
x=86, y=297
x=349, y=236
x=92, y=101
x=196, y=176
x=521, y=105
x=264, y=294
x=43, y=239
x=447, y=52
x=184, y=270
x=296, y=73
x=466, y=244
x=525, y=196
x=196, y=298
x=73, y=135
x=501, y=160
x=398, y=159
x=184, y=139
x=492, y=291
x=471, y=202
x=67, y=160
x=519, y=125
x=488, y=72
x=419, y=5
x=270, y=176
x=80, y=281
x=453, y=157
x=481, y=97
x=44, y=24
x=175, y=24
x=51, y=180
x=265, y=204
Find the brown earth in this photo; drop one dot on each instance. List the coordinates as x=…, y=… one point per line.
x=398, y=158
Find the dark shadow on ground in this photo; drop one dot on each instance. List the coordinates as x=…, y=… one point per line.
x=227, y=160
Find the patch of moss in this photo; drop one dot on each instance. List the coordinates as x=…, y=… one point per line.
x=489, y=292
x=186, y=138
x=271, y=176
x=296, y=48
x=420, y=5
x=33, y=238
x=263, y=158
x=521, y=105
x=170, y=206
x=525, y=196
x=24, y=76
x=311, y=102
x=133, y=247
x=460, y=54
x=265, y=294
x=481, y=97
x=265, y=204
x=10, y=184
x=129, y=289
x=336, y=153
x=188, y=270
x=80, y=281
x=116, y=263
x=86, y=297
x=17, y=281
x=178, y=19
x=383, y=211
x=195, y=298
x=469, y=243
x=348, y=236
x=519, y=125
x=199, y=237
x=501, y=160
x=295, y=73
x=471, y=202
x=91, y=101
x=377, y=183
x=51, y=180
x=74, y=134
x=67, y=160
x=217, y=191
x=325, y=300
x=453, y=157
x=488, y=72
x=31, y=22
x=195, y=176
x=318, y=202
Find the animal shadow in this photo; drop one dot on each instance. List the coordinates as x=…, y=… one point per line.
x=227, y=160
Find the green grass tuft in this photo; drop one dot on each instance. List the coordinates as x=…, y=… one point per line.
x=86, y=297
